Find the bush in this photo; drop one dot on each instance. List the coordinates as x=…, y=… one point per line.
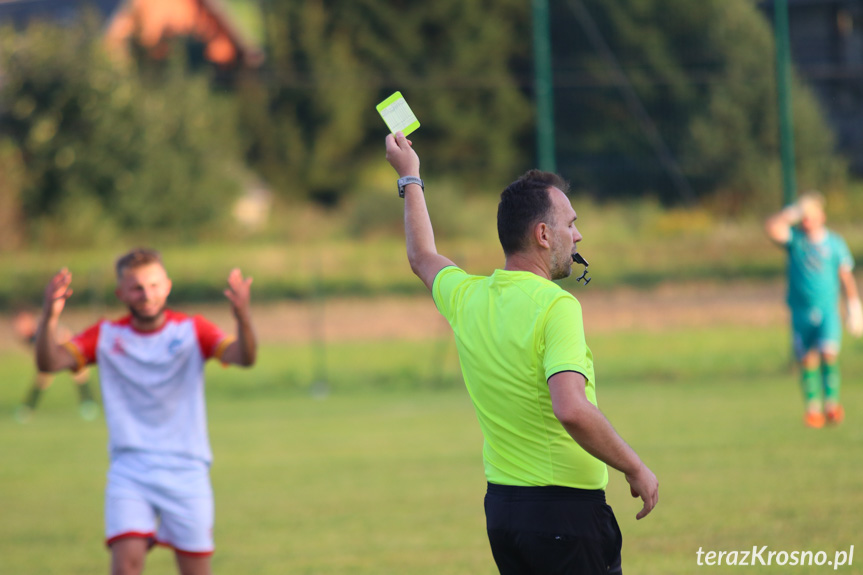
x=108, y=151
x=11, y=185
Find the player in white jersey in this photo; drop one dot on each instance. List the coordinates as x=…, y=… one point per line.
x=151, y=373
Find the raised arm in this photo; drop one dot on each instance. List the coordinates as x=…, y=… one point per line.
x=852, y=298
x=244, y=350
x=593, y=432
x=419, y=235
x=778, y=226
x=51, y=356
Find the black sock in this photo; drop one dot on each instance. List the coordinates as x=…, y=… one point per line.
x=84, y=392
x=33, y=397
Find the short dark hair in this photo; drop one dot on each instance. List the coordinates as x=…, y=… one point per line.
x=522, y=204
x=137, y=258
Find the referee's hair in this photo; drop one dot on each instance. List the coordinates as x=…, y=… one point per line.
x=523, y=204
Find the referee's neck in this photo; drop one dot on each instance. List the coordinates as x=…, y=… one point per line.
x=527, y=262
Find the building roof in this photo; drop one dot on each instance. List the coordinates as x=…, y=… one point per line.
x=20, y=12
x=154, y=22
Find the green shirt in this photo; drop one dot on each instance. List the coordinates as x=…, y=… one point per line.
x=813, y=271
x=514, y=330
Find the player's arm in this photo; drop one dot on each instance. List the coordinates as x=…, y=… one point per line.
x=594, y=433
x=419, y=235
x=852, y=299
x=243, y=350
x=778, y=226
x=50, y=355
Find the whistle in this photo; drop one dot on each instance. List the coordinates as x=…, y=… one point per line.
x=579, y=259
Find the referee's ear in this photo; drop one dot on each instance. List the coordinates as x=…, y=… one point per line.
x=542, y=235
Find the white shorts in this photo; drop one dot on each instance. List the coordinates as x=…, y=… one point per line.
x=167, y=498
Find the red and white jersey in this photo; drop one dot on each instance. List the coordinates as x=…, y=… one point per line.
x=153, y=382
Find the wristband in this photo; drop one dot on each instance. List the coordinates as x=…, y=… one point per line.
x=402, y=182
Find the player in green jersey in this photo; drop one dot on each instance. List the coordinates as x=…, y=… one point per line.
x=819, y=263
x=529, y=373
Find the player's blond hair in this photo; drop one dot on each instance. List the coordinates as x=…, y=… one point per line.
x=137, y=258
x=812, y=202
x=812, y=196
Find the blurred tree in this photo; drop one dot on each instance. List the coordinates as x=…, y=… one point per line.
x=312, y=125
x=732, y=145
x=108, y=149
x=705, y=73
x=467, y=60
x=11, y=183
x=317, y=99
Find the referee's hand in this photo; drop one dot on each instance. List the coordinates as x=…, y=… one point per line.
x=401, y=155
x=644, y=484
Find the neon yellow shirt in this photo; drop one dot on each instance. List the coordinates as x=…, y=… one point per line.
x=514, y=330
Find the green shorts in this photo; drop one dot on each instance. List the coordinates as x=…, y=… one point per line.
x=816, y=329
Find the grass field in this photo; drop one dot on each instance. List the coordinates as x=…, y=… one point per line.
x=384, y=475
x=683, y=246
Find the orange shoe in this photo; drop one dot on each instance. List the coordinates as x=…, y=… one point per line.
x=835, y=414
x=814, y=419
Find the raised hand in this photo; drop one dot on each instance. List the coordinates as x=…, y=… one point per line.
x=56, y=293
x=243, y=351
x=401, y=155
x=238, y=292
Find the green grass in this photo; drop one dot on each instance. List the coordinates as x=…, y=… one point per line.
x=384, y=475
x=683, y=246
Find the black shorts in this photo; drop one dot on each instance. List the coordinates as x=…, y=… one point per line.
x=551, y=531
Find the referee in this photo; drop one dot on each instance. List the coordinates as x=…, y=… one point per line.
x=529, y=373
